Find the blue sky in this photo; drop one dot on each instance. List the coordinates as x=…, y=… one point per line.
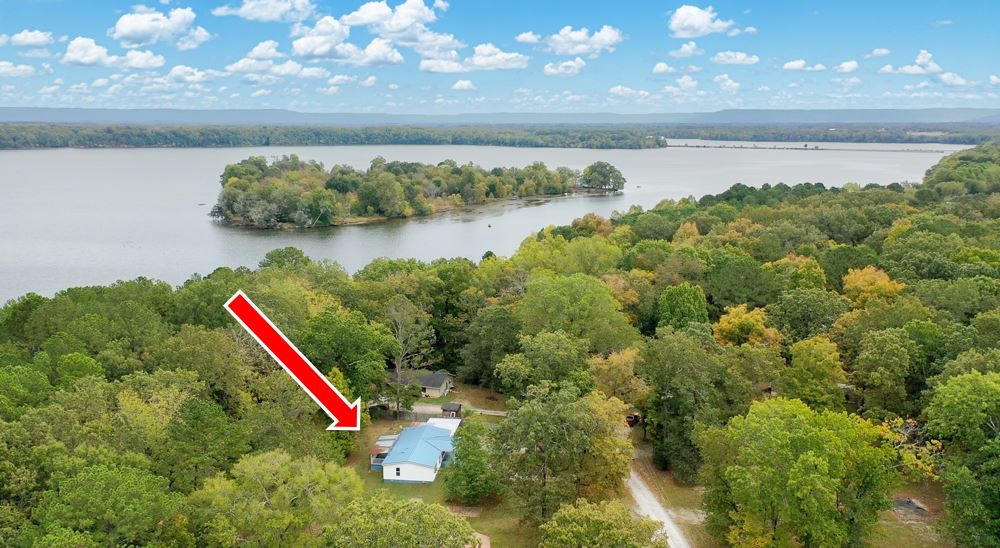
x=436, y=56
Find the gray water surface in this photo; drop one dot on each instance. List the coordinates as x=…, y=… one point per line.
x=72, y=217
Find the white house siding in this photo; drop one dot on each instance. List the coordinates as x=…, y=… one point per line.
x=408, y=472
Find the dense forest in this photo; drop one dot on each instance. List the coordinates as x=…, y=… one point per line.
x=799, y=351
x=628, y=136
x=292, y=192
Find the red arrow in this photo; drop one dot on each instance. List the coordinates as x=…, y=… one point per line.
x=345, y=415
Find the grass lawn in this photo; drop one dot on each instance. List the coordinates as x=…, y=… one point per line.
x=497, y=521
x=471, y=396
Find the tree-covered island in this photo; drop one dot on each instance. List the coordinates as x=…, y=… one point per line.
x=290, y=192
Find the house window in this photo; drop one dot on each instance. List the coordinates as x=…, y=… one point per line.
x=397, y=472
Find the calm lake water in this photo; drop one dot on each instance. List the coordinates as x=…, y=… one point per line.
x=80, y=217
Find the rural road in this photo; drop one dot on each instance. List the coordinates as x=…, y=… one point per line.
x=648, y=505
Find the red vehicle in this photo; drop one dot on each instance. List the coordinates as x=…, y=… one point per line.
x=632, y=419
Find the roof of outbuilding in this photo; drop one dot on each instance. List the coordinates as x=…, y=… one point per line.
x=451, y=406
x=420, y=445
x=434, y=379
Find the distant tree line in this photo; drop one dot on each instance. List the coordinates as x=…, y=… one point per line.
x=604, y=136
x=290, y=191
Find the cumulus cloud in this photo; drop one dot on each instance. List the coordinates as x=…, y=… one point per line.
x=268, y=49
x=267, y=67
x=686, y=83
x=142, y=60
x=464, y=85
x=15, y=70
x=922, y=64
x=847, y=82
x=691, y=22
x=737, y=31
x=878, y=52
x=994, y=80
x=261, y=93
x=566, y=68
x=145, y=26
x=405, y=25
x=269, y=10
x=86, y=52
x=484, y=57
x=734, y=58
x=341, y=79
x=801, y=64
x=368, y=82
x=952, y=79
x=31, y=38
x=528, y=38
x=687, y=49
x=378, y=52
x=184, y=74
x=581, y=42
x=663, y=68
x=847, y=67
x=623, y=91
x=322, y=40
x=726, y=83
x=329, y=90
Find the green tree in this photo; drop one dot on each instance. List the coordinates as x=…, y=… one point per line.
x=472, y=476
x=201, y=440
x=803, y=313
x=815, y=375
x=547, y=356
x=382, y=521
x=581, y=306
x=492, y=334
x=114, y=506
x=272, y=499
x=964, y=413
x=881, y=371
x=787, y=475
x=683, y=304
x=411, y=327
x=607, y=523
x=75, y=366
x=213, y=355
x=602, y=175
x=540, y=444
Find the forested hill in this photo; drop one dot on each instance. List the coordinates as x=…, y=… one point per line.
x=291, y=192
x=798, y=351
x=632, y=135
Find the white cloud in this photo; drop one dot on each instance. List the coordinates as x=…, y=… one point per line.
x=878, y=52
x=86, y=52
x=922, y=64
x=4, y=39
x=48, y=90
x=734, y=58
x=528, y=38
x=406, y=25
x=726, y=83
x=145, y=26
x=99, y=83
x=738, y=31
x=322, y=39
x=687, y=49
x=378, y=52
x=847, y=67
x=269, y=10
x=691, y=22
x=623, y=91
x=369, y=13
x=441, y=5
x=952, y=79
x=800, y=64
x=184, y=74
x=368, y=82
x=687, y=83
x=943, y=23
x=142, y=60
x=693, y=68
x=581, y=42
x=663, y=68
x=31, y=38
x=261, y=93
x=994, y=80
x=331, y=90
x=341, y=79
x=464, y=85
x=10, y=69
x=847, y=82
x=268, y=49
x=256, y=68
x=566, y=68
x=36, y=53
x=484, y=57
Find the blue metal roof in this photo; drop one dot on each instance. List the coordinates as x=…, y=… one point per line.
x=420, y=445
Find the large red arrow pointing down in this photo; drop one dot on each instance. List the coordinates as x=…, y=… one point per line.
x=345, y=415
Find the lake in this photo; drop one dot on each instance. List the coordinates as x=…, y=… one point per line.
x=71, y=217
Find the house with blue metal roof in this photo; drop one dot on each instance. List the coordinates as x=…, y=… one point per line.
x=417, y=455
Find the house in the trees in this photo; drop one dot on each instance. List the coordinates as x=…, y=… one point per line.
x=419, y=452
x=435, y=384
